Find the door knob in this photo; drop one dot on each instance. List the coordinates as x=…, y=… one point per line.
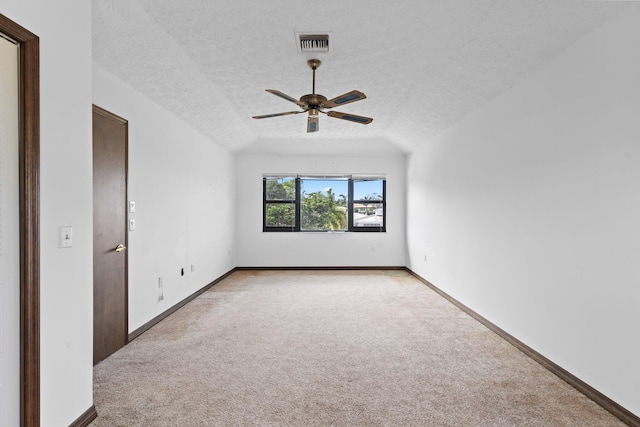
x=121, y=248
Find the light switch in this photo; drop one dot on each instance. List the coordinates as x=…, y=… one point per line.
x=132, y=206
x=66, y=237
x=132, y=225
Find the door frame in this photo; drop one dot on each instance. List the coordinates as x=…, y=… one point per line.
x=29, y=183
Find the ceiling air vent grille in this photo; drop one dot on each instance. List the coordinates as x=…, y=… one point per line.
x=313, y=43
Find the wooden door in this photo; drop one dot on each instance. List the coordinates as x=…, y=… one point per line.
x=109, y=233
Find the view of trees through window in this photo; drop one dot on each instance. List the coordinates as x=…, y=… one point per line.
x=280, y=196
x=323, y=204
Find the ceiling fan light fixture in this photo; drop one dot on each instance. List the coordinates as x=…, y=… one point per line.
x=314, y=104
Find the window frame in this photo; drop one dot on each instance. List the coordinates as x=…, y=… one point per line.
x=297, y=202
x=383, y=201
x=341, y=178
x=294, y=202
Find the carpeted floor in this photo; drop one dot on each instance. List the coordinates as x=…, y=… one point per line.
x=329, y=348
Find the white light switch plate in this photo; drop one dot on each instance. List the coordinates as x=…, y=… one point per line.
x=66, y=237
x=132, y=206
x=132, y=225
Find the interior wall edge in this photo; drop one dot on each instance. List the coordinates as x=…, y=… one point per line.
x=169, y=311
x=605, y=402
x=86, y=418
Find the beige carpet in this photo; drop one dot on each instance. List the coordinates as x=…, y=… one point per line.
x=329, y=348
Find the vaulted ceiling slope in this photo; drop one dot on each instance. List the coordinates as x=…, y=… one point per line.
x=422, y=64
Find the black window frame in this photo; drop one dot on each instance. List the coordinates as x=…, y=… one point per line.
x=298, y=201
x=383, y=202
x=294, y=202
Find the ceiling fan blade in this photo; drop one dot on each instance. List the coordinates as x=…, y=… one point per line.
x=313, y=124
x=266, y=116
x=351, y=117
x=353, y=96
x=287, y=97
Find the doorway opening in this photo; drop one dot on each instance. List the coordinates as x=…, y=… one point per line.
x=29, y=232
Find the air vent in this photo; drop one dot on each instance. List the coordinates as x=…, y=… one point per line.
x=313, y=43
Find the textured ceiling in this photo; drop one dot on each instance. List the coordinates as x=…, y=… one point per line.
x=422, y=64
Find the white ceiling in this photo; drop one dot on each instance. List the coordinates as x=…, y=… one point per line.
x=422, y=64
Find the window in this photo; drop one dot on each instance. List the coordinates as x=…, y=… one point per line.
x=368, y=206
x=280, y=204
x=323, y=204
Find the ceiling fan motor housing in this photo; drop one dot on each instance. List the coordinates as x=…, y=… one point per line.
x=313, y=100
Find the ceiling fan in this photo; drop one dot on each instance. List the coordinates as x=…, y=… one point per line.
x=314, y=103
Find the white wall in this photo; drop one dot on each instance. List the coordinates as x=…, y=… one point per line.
x=66, y=314
x=184, y=188
x=528, y=210
x=258, y=249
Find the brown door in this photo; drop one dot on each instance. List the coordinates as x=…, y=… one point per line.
x=109, y=233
